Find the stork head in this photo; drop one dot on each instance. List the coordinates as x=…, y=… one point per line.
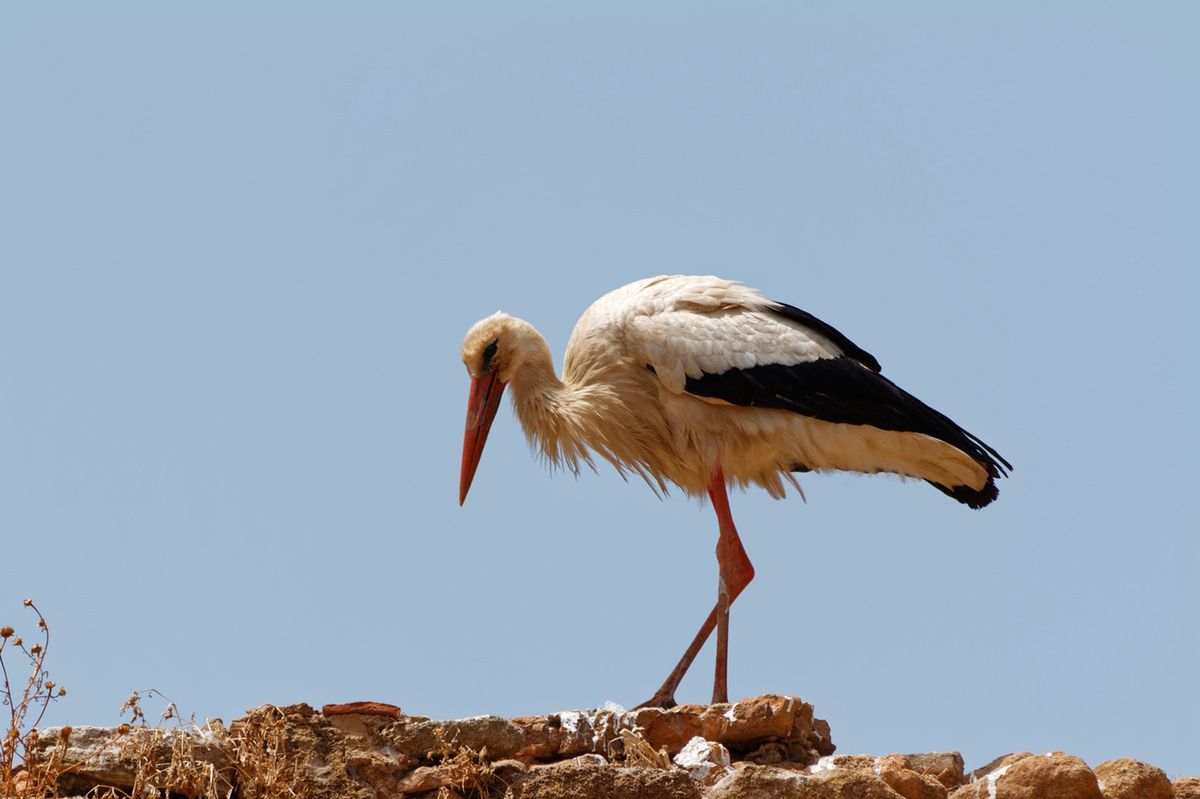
x=487, y=354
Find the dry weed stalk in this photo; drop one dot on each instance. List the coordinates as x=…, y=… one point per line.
x=22, y=772
x=262, y=761
x=165, y=761
x=468, y=770
x=168, y=762
x=639, y=752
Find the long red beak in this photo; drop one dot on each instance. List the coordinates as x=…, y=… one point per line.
x=486, y=391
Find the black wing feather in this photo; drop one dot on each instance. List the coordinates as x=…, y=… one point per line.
x=849, y=390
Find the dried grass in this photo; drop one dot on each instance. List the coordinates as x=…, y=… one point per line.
x=263, y=763
x=22, y=772
x=468, y=770
x=176, y=757
x=166, y=761
x=639, y=752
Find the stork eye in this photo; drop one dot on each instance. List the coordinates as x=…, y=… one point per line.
x=489, y=352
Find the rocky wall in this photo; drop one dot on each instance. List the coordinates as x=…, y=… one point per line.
x=758, y=748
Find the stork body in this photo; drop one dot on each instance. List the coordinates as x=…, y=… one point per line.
x=702, y=382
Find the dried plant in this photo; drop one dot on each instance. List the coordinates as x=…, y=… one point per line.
x=468, y=770
x=262, y=760
x=639, y=752
x=182, y=758
x=178, y=757
x=22, y=772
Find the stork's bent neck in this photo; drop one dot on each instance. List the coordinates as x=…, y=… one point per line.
x=530, y=372
x=556, y=415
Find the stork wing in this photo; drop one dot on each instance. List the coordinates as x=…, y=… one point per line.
x=778, y=356
x=691, y=344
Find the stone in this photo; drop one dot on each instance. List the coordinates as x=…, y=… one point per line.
x=831, y=763
x=508, y=770
x=590, y=759
x=999, y=762
x=901, y=777
x=116, y=757
x=301, y=711
x=704, y=761
x=740, y=722
x=571, y=732
x=362, y=709
x=945, y=767
x=363, y=719
x=1186, y=788
x=20, y=784
x=425, y=778
x=296, y=749
x=768, y=728
x=603, y=782
x=831, y=782
x=464, y=772
x=752, y=781
x=1033, y=777
x=358, y=750
x=1126, y=778
x=768, y=753
x=742, y=726
x=424, y=739
x=504, y=773
x=768, y=746
x=374, y=766
x=540, y=740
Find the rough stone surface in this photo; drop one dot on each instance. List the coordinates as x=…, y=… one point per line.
x=1126, y=778
x=898, y=772
x=362, y=709
x=758, y=748
x=103, y=756
x=423, y=739
x=424, y=778
x=775, y=728
x=704, y=761
x=831, y=763
x=304, y=747
x=572, y=733
x=998, y=763
x=358, y=750
x=945, y=767
x=577, y=781
x=770, y=782
x=1034, y=777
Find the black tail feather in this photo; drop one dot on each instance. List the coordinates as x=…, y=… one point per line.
x=971, y=497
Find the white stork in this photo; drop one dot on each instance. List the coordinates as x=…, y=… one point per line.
x=703, y=382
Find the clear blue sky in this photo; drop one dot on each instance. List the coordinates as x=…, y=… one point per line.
x=240, y=245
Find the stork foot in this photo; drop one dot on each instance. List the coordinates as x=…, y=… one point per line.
x=660, y=700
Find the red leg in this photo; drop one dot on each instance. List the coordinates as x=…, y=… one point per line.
x=736, y=572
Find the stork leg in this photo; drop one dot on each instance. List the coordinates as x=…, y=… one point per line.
x=736, y=572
